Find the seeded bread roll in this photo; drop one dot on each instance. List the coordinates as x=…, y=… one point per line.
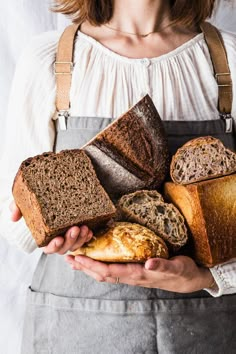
x=209, y=208
x=56, y=191
x=132, y=152
x=201, y=159
x=124, y=242
x=149, y=209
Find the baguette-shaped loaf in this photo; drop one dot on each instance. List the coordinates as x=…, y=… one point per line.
x=149, y=209
x=56, y=191
x=124, y=242
x=201, y=159
x=132, y=152
x=209, y=208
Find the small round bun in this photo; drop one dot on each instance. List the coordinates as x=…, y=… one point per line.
x=124, y=242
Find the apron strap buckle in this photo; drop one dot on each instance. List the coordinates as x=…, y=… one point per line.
x=228, y=122
x=62, y=117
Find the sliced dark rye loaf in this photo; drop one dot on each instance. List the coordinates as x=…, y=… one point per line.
x=132, y=152
x=149, y=209
x=201, y=159
x=56, y=191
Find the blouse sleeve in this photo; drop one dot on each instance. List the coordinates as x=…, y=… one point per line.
x=225, y=278
x=29, y=127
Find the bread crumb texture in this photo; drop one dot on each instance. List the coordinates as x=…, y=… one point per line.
x=201, y=159
x=55, y=191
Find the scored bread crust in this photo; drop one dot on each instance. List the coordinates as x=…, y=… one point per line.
x=35, y=214
x=141, y=197
x=201, y=159
x=149, y=209
x=124, y=242
x=132, y=152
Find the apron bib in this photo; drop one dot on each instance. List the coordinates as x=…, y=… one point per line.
x=69, y=312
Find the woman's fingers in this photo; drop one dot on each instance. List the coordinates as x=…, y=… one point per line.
x=97, y=270
x=84, y=236
x=94, y=275
x=54, y=246
x=16, y=213
x=161, y=265
x=129, y=273
x=74, y=238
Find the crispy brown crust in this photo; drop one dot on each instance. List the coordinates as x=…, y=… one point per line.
x=210, y=212
x=124, y=242
x=200, y=141
x=114, y=146
x=27, y=203
x=136, y=141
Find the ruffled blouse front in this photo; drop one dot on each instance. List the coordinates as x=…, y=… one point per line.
x=181, y=83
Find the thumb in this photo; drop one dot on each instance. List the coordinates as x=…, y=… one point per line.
x=160, y=265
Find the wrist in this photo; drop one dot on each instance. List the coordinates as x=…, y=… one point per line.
x=207, y=279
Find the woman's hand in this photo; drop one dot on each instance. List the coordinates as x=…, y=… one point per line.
x=178, y=274
x=74, y=238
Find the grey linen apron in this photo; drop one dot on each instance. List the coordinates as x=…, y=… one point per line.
x=69, y=312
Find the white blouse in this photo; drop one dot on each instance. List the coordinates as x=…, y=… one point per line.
x=104, y=83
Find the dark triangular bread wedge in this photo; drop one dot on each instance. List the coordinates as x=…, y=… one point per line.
x=56, y=191
x=149, y=209
x=132, y=152
x=201, y=159
x=124, y=242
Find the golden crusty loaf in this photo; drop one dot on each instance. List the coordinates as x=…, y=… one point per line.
x=132, y=152
x=209, y=208
x=56, y=191
x=148, y=208
x=201, y=159
x=124, y=242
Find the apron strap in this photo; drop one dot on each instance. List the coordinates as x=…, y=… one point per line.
x=63, y=68
x=221, y=67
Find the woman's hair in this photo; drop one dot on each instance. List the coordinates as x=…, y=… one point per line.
x=98, y=12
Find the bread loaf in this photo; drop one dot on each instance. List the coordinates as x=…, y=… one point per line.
x=132, y=152
x=209, y=208
x=124, y=242
x=149, y=209
x=56, y=191
x=201, y=159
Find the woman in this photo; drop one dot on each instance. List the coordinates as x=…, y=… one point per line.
x=123, y=50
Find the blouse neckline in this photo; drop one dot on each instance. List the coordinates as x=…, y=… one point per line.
x=191, y=42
